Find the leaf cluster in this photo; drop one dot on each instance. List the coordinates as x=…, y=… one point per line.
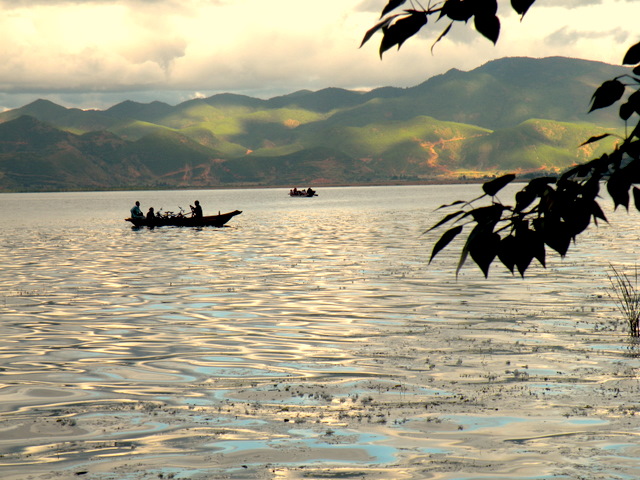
x=398, y=23
x=550, y=212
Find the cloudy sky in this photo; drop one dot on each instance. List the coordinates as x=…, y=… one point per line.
x=96, y=53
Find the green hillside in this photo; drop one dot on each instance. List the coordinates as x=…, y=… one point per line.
x=513, y=114
x=533, y=145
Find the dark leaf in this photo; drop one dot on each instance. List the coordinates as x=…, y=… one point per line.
x=521, y=6
x=463, y=257
x=634, y=98
x=547, y=201
x=477, y=230
x=557, y=236
x=570, y=172
x=507, y=252
x=634, y=101
x=607, y=94
x=537, y=187
x=597, y=212
x=636, y=71
x=632, y=56
x=401, y=30
x=540, y=184
x=524, y=198
x=632, y=170
x=569, y=189
x=539, y=253
x=446, y=219
x=494, y=186
x=631, y=106
x=487, y=216
x=524, y=254
x=412, y=24
x=595, y=139
x=457, y=202
x=445, y=239
x=582, y=170
x=390, y=36
x=383, y=24
x=483, y=248
x=488, y=26
x=392, y=5
x=529, y=246
x=633, y=150
x=591, y=188
x=542, y=180
x=636, y=197
x=615, y=159
x=442, y=35
x=626, y=110
x=579, y=171
x=484, y=7
x=618, y=187
x=577, y=216
x=458, y=10
x=598, y=166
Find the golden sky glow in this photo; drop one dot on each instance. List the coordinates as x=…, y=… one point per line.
x=96, y=53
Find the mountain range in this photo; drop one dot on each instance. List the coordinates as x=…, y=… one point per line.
x=520, y=115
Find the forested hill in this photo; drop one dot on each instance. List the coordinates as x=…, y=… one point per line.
x=513, y=114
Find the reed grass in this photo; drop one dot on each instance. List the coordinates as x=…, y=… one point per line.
x=625, y=291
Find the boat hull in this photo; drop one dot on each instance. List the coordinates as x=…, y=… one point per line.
x=207, y=221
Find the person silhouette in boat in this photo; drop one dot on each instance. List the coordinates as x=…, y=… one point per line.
x=136, y=212
x=151, y=215
x=196, y=212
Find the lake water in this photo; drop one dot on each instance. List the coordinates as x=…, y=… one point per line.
x=308, y=339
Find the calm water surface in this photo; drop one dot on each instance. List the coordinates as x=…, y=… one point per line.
x=103, y=326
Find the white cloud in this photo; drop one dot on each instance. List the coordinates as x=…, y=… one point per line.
x=148, y=49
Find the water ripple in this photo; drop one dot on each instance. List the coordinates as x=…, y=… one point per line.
x=306, y=333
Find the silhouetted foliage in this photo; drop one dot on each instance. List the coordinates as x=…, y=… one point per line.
x=397, y=27
x=548, y=212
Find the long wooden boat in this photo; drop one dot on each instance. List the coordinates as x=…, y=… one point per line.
x=304, y=193
x=183, y=221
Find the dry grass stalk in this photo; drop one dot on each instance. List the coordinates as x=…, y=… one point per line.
x=625, y=289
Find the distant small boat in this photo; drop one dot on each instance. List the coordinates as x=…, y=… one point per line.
x=309, y=192
x=180, y=220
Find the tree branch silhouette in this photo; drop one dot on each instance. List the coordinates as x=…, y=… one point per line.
x=548, y=212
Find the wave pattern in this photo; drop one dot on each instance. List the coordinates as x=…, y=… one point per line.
x=310, y=335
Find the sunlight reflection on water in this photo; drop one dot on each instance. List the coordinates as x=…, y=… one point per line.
x=94, y=312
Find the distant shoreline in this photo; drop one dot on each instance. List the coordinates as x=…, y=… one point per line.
x=315, y=186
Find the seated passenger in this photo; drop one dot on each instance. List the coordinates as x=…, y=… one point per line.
x=136, y=212
x=196, y=212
